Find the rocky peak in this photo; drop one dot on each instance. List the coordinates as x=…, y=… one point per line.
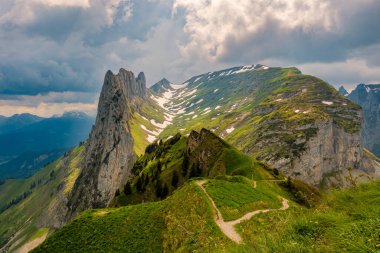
x=109, y=154
x=203, y=149
x=126, y=80
x=342, y=91
x=161, y=86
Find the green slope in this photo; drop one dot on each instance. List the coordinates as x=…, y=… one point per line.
x=151, y=227
x=166, y=165
x=23, y=220
x=266, y=113
x=345, y=221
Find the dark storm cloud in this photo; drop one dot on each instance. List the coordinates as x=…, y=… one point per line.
x=357, y=29
x=69, y=48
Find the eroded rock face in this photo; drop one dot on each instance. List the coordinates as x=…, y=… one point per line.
x=109, y=154
x=332, y=158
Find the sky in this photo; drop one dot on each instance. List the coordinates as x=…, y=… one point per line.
x=54, y=53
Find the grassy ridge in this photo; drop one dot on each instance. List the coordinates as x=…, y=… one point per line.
x=153, y=227
x=347, y=221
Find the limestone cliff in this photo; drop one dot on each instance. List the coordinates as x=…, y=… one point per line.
x=109, y=152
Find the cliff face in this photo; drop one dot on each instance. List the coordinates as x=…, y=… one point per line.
x=332, y=157
x=109, y=154
x=368, y=97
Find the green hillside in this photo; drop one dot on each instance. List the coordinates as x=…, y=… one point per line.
x=344, y=221
x=166, y=165
x=267, y=113
x=24, y=203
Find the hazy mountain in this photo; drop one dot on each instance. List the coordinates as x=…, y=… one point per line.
x=17, y=121
x=368, y=97
x=23, y=143
x=342, y=91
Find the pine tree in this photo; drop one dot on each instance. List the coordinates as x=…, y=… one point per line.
x=127, y=188
x=175, y=179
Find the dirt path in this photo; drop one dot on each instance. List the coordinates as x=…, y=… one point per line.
x=31, y=245
x=227, y=227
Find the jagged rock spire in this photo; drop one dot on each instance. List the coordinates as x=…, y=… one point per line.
x=109, y=152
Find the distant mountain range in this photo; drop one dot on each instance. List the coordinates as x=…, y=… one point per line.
x=368, y=97
x=27, y=142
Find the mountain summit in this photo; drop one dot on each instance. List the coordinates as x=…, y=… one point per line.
x=108, y=155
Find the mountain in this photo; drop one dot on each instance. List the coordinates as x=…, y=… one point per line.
x=17, y=121
x=342, y=91
x=248, y=138
x=296, y=123
x=161, y=86
x=166, y=165
x=26, y=138
x=368, y=97
x=26, y=164
x=2, y=119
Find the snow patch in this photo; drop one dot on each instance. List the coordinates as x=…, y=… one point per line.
x=297, y=111
x=327, y=102
x=229, y=130
x=216, y=108
x=178, y=86
x=160, y=125
x=199, y=101
x=155, y=133
x=150, y=138
x=216, y=90
x=197, y=79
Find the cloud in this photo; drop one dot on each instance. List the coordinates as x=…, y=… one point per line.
x=65, y=46
x=299, y=31
x=52, y=103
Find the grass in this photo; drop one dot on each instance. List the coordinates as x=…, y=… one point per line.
x=234, y=199
x=40, y=233
x=130, y=229
x=23, y=221
x=164, y=226
x=345, y=221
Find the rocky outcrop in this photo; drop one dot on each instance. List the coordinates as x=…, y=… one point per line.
x=342, y=91
x=331, y=158
x=368, y=97
x=203, y=149
x=109, y=155
x=161, y=86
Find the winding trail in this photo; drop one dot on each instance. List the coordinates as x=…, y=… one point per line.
x=227, y=227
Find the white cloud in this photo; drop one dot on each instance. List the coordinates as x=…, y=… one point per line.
x=22, y=12
x=211, y=23
x=348, y=73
